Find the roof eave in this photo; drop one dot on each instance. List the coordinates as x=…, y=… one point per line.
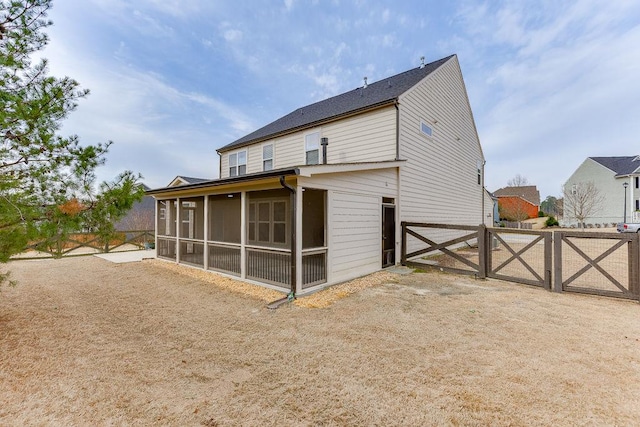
x=224, y=181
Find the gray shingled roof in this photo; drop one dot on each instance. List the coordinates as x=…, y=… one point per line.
x=528, y=192
x=623, y=165
x=382, y=92
x=191, y=180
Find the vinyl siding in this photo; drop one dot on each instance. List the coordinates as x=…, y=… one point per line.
x=367, y=137
x=439, y=182
x=354, y=219
x=612, y=208
x=355, y=235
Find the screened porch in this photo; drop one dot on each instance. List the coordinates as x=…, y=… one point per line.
x=247, y=234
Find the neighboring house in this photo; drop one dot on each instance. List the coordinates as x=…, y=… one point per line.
x=518, y=203
x=316, y=197
x=609, y=174
x=141, y=216
x=186, y=180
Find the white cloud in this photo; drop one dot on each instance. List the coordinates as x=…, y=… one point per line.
x=232, y=35
x=288, y=4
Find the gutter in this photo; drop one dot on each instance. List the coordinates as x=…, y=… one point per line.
x=223, y=181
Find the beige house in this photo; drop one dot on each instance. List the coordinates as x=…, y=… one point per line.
x=617, y=182
x=316, y=197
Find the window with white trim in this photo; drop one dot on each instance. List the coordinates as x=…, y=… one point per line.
x=238, y=163
x=267, y=157
x=312, y=148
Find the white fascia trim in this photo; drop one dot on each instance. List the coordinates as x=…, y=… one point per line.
x=307, y=171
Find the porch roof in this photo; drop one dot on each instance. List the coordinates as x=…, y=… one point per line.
x=305, y=170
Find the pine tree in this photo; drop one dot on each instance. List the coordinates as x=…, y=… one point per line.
x=47, y=181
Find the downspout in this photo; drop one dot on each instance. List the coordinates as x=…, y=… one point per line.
x=292, y=190
x=395, y=104
x=292, y=293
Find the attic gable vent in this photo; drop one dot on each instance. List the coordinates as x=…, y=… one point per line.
x=426, y=129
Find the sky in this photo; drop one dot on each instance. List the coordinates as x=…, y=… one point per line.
x=550, y=82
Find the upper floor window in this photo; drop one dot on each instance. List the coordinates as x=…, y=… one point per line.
x=479, y=170
x=312, y=148
x=267, y=157
x=637, y=182
x=238, y=163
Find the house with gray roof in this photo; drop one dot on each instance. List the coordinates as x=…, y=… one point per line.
x=317, y=196
x=617, y=182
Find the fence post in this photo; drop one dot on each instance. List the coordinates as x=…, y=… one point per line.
x=403, y=248
x=557, y=260
x=548, y=260
x=634, y=265
x=482, y=251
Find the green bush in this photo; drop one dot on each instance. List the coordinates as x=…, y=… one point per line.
x=541, y=214
x=551, y=221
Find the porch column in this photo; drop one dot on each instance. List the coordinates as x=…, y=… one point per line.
x=178, y=229
x=243, y=234
x=205, y=228
x=298, y=226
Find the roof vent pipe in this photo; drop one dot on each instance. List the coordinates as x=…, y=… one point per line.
x=365, y=82
x=422, y=62
x=324, y=142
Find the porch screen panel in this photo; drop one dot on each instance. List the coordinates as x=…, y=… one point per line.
x=166, y=218
x=192, y=218
x=313, y=218
x=224, y=218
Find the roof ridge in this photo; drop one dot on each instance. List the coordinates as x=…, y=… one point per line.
x=352, y=101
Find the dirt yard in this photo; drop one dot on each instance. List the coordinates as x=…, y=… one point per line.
x=87, y=342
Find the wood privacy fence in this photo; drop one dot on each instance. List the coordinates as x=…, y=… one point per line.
x=596, y=263
x=78, y=244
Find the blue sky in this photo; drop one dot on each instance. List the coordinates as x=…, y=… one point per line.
x=550, y=82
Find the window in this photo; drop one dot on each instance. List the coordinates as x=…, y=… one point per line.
x=637, y=179
x=312, y=148
x=426, y=129
x=268, y=218
x=267, y=157
x=638, y=205
x=479, y=169
x=238, y=163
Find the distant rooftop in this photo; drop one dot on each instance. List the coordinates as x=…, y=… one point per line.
x=622, y=165
x=529, y=193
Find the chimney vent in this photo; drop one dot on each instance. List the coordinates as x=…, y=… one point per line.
x=365, y=82
x=422, y=62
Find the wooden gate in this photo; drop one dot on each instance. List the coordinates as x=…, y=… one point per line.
x=617, y=265
x=520, y=256
x=449, y=254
